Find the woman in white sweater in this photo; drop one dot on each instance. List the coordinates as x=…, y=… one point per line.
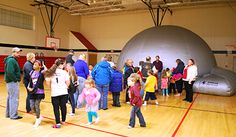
x=189, y=77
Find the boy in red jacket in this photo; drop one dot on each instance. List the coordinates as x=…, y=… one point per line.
x=134, y=81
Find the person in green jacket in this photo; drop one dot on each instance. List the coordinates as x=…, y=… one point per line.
x=12, y=78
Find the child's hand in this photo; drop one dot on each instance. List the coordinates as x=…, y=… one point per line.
x=30, y=89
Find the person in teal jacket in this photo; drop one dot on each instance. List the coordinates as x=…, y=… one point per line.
x=12, y=78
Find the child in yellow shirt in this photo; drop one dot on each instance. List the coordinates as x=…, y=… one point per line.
x=150, y=87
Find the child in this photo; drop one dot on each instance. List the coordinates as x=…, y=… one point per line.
x=150, y=86
x=164, y=83
x=92, y=96
x=36, y=90
x=116, y=86
x=134, y=81
x=72, y=88
x=90, y=69
x=59, y=81
x=137, y=70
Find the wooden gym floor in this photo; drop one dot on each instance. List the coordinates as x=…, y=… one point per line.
x=207, y=116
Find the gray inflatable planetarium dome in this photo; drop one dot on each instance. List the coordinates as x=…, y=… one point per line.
x=171, y=43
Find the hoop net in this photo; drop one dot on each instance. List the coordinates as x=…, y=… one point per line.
x=230, y=48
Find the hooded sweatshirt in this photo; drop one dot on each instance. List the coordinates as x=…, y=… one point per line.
x=12, y=70
x=102, y=73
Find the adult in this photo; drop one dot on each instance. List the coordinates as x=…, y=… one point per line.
x=128, y=70
x=189, y=77
x=82, y=71
x=27, y=68
x=177, y=76
x=146, y=66
x=69, y=57
x=59, y=81
x=12, y=78
x=158, y=66
x=109, y=60
x=102, y=75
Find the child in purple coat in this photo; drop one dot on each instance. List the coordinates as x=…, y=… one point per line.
x=92, y=96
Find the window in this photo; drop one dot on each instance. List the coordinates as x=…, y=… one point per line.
x=16, y=19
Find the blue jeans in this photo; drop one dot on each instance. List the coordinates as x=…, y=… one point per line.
x=79, y=90
x=103, y=89
x=159, y=80
x=90, y=116
x=136, y=111
x=12, y=100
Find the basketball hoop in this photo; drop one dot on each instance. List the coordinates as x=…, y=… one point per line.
x=52, y=42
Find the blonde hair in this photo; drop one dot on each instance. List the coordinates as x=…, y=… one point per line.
x=136, y=78
x=72, y=73
x=30, y=55
x=82, y=56
x=90, y=81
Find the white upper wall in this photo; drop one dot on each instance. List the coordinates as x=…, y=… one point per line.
x=215, y=24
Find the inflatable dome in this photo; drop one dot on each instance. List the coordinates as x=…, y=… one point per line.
x=170, y=43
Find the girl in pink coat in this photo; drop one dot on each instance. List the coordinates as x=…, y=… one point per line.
x=164, y=83
x=92, y=96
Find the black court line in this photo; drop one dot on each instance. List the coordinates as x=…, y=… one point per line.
x=172, y=106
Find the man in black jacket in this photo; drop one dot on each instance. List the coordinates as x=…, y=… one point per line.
x=28, y=67
x=69, y=57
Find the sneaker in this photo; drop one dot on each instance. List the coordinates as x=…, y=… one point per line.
x=71, y=114
x=18, y=117
x=56, y=126
x=177, y=95
x=142, y=125
x=89, y=123
x=97, y=120
x=129, y=127
x=37, y=122
x=145, y=103
x=167, y=95
x=63, y=123
x=157, y=103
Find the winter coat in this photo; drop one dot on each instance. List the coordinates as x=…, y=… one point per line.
x=135, y=97
x=179, y=68
x=12, y=70
x=116, y=82
x=91, y=96
x=28, y=67
x=102, y=73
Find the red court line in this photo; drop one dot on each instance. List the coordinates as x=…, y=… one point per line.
x=183, y=118
x=98, y=130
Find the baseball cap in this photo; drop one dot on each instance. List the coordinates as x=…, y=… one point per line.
x=16, y=49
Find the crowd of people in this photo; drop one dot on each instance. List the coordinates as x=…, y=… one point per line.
x=75, y=81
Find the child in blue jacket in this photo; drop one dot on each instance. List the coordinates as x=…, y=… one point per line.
x=116, y=86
